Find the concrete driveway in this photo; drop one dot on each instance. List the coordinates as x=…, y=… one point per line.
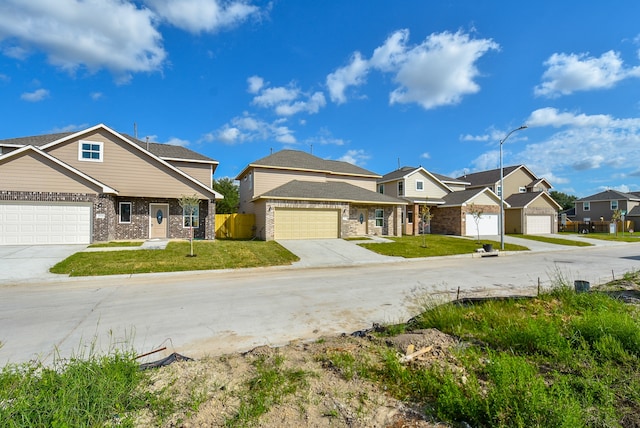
x=333, y=252
x=28, y=263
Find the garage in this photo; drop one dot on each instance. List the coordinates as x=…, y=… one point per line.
x=488, y=225
x=306, y=223
x=538, y=224
x=44, y=223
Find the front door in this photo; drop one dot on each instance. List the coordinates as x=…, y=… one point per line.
x=361, y=217
x=158, y=220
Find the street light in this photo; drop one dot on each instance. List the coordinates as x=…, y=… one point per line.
x=502, y=187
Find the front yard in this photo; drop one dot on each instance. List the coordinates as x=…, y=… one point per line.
x=432, y=246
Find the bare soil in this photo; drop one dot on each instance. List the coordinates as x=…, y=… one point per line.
x=329, y=399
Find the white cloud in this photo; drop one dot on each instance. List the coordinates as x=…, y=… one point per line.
x=325, y=137
x=356, y=157
x=568, y=73
x=35, y=96
x=68, y=128
x=439, y=71
x=470, y=137
x=425, y=155
x=255, y=84
x=111, y=34
x=177, y=142
x=96, y=95
x=197, y=16
x=285, y=101
x=549, y=116
x=244, y=129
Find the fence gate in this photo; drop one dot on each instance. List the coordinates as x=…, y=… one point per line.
x=235, y=226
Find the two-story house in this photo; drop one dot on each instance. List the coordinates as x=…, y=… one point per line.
x=601, y=206
x=296, y=195
x=530, y=209
x=441, y=204
x=100, y=185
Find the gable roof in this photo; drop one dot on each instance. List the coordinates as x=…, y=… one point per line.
x=328, y=191
x=406, y=171
x=72, y=170
x=165, y=151
x=301, y=161
x=522, y=200
x=492, y=176
x=51, y=140
x=457, y=199
x=609, y=195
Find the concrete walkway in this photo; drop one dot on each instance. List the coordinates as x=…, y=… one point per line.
x=334, y=252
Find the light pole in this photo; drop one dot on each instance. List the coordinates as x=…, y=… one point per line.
x=502, y=187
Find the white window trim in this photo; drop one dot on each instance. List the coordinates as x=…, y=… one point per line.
x=617, y=205
x=120, y=212
x=400, y=188
x=381, y=188
x=196, y=218
x=100, y=151
x=586, y=206
x=376, y=218
x=522, y=189
x=421, y=182
x=498, y=190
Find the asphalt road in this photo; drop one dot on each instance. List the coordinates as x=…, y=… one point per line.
x=216, y=312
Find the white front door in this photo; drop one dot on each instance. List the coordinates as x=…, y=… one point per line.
x=158, y=220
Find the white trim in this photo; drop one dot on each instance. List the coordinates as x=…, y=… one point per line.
x=120, y=204
x=611, y=204
x=421, y=189
x=81, y=151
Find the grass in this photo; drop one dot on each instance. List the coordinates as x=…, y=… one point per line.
x=552, y=240
x=627, y=237
x=436, y=245
x=218, y=254
x=112, y=244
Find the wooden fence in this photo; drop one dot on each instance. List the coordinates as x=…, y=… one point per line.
x=594, y=226
x=235, y=226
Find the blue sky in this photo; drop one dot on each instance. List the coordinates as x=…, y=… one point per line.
x=376, y=83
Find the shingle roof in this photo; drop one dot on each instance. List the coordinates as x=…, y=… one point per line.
x=328, y=191
x=488, y=178
x=521, y=200
x=160, y=150
x=609, y=195
x=635, y=211
x=398, y=173
x=295, y=159
x=462, y=196
x=446, y=179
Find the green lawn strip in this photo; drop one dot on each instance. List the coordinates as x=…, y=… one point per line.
x=550, y=240
x=627, y=237
x=432, y=246
x=218, y=254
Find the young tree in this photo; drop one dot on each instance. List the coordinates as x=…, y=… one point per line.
x=615, y=218
x=476, y=212
x=189, y=205
x=425, y=221
x=229, y=189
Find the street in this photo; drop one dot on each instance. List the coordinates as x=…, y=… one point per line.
x=215, y=312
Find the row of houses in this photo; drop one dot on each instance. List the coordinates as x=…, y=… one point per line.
x=598, y=209
x=101, y=185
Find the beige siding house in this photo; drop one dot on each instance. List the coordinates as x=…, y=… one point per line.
x=99, y=185
x=531, y=210
x=295, y=195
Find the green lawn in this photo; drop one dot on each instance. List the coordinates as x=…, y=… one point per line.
x=550, y=240
x=218, y=254
x=626, y=237
x=433, y=245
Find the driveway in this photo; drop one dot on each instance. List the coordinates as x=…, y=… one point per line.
x=28, y=263
x=333, y=252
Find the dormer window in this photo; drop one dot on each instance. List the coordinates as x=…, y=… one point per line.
x=522, y=189
x=90, y=151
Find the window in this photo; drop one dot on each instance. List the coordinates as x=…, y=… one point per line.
x=379, y=217
x=90, y=151
x=498, y=190
x=380, y=188
x=187, y=214
x=400, y=188
x=522, y=189
x=419, y=185
x=586, y=206
x=409, y=216
x=125, y=212
x=614, y=205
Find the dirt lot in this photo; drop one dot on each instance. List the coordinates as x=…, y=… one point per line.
x=328, y=397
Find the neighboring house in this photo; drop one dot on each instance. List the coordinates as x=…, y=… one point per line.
x=469, y=212
x=295, y=195
x=531, y=210
x=99, y=185
x=422, y=190
x=600, y=207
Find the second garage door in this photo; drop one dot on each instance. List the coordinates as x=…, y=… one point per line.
x=488, y=225
x=41, y=223
x=306, y=223
x=538, y=224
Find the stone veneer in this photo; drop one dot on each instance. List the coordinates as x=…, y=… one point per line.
x=105, y=214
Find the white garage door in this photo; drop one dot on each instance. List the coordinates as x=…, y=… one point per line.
x=306, y=223
x=488, y=225
x=41, y=223
x=538, y=224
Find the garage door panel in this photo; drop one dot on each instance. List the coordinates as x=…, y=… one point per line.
x=42, y=223
x=306, y=223
x=538, y=224
x=488, y=225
